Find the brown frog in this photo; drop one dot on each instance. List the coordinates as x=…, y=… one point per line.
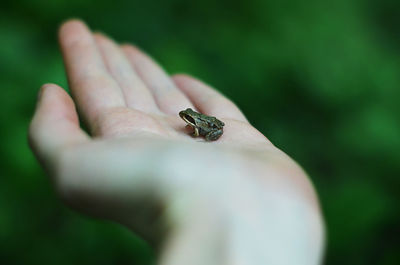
x=207, y=126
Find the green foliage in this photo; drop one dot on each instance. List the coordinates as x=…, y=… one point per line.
x=319, y=78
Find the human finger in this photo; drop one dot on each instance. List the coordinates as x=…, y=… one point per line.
x=168, y=97
x=136, y=94
x=93, y=89
x=55, y=125
x=207, y=99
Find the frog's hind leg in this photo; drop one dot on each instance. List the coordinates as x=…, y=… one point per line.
x=213, y=135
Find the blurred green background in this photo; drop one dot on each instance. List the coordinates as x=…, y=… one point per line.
x=320, y=79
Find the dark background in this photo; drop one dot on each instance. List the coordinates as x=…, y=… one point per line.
x=320, y=79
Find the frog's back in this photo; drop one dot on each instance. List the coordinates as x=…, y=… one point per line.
x=204, y=127
x=217, y=124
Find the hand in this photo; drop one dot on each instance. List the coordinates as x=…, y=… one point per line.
x=238, y=200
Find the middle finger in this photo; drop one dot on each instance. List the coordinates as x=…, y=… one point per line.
x=137, y=95
x=168, y=97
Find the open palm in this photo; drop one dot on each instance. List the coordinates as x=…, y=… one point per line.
x=120, y=91
x=139, y=166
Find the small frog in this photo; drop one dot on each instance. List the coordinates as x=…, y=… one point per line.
x=209, y=127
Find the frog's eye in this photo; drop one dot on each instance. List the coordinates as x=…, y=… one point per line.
x=190, y=119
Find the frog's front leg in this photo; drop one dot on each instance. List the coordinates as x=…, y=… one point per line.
x=196, y=132
x=213, y=135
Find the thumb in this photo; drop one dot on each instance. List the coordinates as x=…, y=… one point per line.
x=55, y=125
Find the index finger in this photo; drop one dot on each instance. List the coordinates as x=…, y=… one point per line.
x=93, y=89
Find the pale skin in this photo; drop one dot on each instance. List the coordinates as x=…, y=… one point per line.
x=236, y=201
